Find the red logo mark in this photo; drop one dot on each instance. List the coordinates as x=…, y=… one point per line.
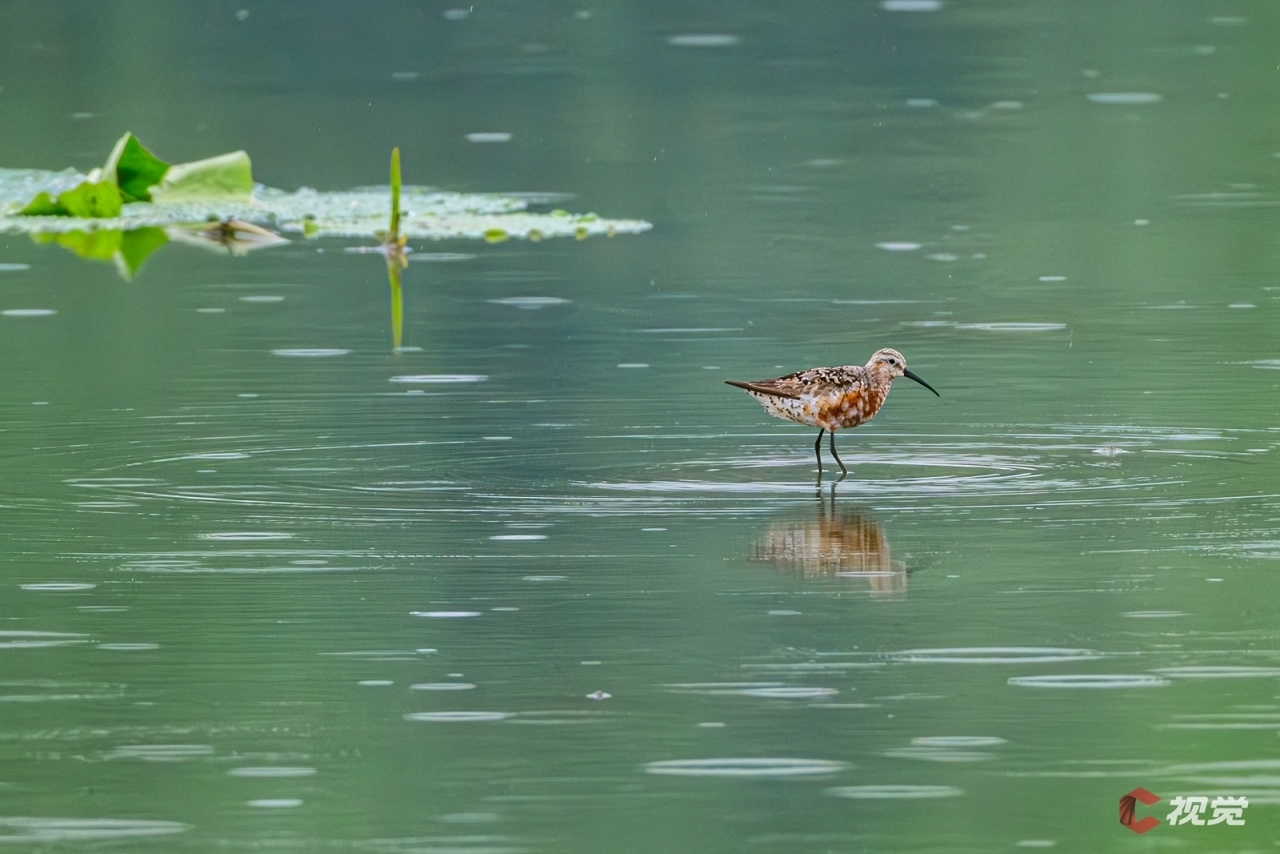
x=1128, y=806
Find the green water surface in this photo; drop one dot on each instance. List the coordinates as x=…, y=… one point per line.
x=539, y=581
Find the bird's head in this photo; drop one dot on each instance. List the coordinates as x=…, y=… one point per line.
x=889, y=364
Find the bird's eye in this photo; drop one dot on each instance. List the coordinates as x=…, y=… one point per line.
x=893, y=361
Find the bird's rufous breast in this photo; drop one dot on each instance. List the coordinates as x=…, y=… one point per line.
x=849, y=408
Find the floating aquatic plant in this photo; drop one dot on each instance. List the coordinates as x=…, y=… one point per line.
x=215, y=201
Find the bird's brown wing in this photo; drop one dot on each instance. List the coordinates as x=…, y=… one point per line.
x=768, y=387
x=813, y=382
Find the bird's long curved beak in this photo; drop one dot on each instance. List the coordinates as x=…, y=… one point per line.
x=912, y=376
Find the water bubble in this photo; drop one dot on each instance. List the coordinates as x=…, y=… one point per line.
x=958, y=741
x=899, y=246
x=921, y=103
x=247, y=536
x=262, y=298
x=745, y=767
x=13, y=268
x=489, y=136
x=518, y=537
x=1153, y=615
x=27, y=312
x=375, y=683
x=633, y=365
x=441, y=686
x=599, y=695
x=446, y=615
x=275, y=803
x=128, y=647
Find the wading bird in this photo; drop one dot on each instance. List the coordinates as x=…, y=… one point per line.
x=832, y=399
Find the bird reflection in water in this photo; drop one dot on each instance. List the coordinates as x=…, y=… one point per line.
x=838, y=543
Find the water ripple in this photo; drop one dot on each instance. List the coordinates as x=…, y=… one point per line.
x=750, y=767
x=877, y=792
x=16, y=639
x=458, y=717
x=995, y=655
x=272, y=771
x=41, y=830
x=161, y=752
x=1219, y=672
x=1091, y=680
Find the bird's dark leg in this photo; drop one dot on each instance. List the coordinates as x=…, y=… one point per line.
x=817, y=451
x=843, y=471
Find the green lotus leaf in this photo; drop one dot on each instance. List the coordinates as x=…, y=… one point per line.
x=134, y=169
x=86, y=199
x=92, y=200
x=225, y=178
x=42, y=205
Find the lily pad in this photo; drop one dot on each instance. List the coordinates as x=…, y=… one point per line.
x=88, y=199
x=135, y=189
x=134, y=169
x=225, y=177
x=425, y=214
